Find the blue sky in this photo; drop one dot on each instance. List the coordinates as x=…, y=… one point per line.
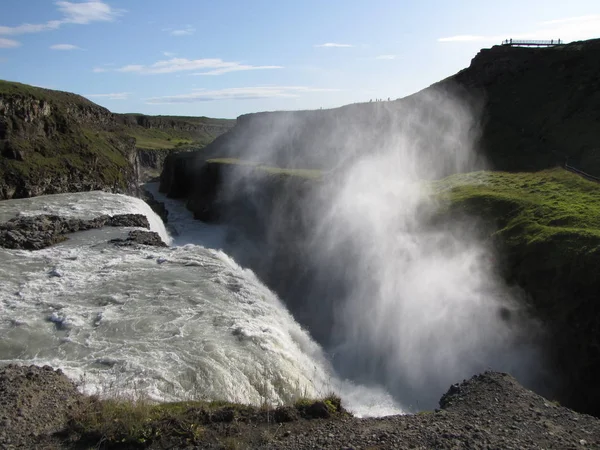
x=223, y=58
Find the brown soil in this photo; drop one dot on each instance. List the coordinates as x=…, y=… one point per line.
x=489, y=411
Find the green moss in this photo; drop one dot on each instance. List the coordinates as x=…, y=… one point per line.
x=546, y=223
x=271, y=170
x=528, y=207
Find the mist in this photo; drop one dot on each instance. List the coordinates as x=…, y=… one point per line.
x=396, y=298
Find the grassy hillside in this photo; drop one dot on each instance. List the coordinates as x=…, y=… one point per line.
x=53, y=141
x=272, y=170
x=530, y=208
x=172, y=132
x=546, y=226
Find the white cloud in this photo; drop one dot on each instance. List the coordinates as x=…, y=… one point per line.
x=113, y=96
x=8, y=43
x=244, y=93
x=211, y=66
x=188, y=30
x=567, y=29
x=64, y=47
x=169, y=54
x=388, y=57
x=333, y=45
x=72, y=13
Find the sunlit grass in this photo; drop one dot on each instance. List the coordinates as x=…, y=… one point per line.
x=301, y=173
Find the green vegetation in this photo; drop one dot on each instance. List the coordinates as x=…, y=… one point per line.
x=547, y=227
x=166, y=132
x=152, y=139
x=59, y=97
x=139, y=423
x=53, y=141
x=300, y=173
x=530, y=208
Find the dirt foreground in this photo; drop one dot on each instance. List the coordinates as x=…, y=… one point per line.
x=489, y=411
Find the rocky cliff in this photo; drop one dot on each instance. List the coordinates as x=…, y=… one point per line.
x=52, y=142
x=535, y=108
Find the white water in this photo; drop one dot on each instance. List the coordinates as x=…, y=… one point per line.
x=175, y=323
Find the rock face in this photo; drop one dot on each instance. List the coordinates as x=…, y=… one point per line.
x=537, y=108
x=138, y=237
x=37, y=232
x=53, y=142
x=35, y=402
x=197, y=126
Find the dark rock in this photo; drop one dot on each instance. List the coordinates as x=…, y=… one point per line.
x=285, y=414
x=37, y=232
x=158, y=207
x=317, y=410
x=138, y=237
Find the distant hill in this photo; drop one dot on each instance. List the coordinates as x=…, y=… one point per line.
x=53, y=141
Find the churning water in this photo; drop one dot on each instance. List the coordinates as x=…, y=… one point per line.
x=177, y=323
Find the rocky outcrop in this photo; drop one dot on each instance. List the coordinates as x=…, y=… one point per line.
x=53, y=142
x=535, y=108
x=196, y=126
x=35, y=403
x=138, y=237
x=37, y=232
x=41, y=408
x=158, y=207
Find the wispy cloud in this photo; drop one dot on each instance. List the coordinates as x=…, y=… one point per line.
x=333, y=45
x=113, y=96
x=64, y=47
x=243, y=93
x=210, y=66
x=188, y=30
x=8, y=43
x=169, y=54
x=567, y=29
x=387, y=57
x=72, y=13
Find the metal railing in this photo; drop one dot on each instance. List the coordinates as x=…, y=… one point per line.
x=524, y=43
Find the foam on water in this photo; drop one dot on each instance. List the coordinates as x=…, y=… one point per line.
x=176, y=323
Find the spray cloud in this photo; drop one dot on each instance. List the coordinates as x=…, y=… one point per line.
x=395, y=298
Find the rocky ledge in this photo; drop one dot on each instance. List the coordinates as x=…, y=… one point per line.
x=37, y=232
x=139, y=237
x=41, y=408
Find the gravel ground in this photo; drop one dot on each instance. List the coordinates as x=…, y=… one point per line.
x=489, y=411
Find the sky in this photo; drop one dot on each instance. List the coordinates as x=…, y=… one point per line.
x=224, y=58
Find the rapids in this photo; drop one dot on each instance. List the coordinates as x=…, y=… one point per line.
x=177, y=323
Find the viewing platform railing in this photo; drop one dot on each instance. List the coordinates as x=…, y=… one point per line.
x=522, y=43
